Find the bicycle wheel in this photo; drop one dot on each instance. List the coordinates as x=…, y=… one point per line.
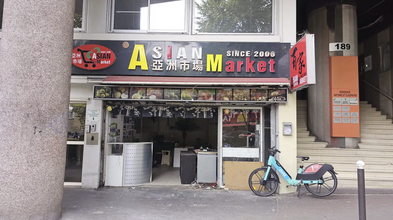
x=327, y=187
x=260, y=187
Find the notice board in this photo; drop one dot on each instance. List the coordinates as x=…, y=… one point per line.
x=344, y=96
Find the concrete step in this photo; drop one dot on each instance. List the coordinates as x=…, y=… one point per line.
x=375, y=147
x=303, y=134
x=313, y=145
x=375, y=131
x=305, y=139
x=372, y=119
x=375, y=122
x=302, y=130
x=369, y=173
x=370, y=116
x=377, y=141
x=368, y=109
x=351, y=164
x=370, y=183
x=348, y=152
x=377, y=127
x=367, y=135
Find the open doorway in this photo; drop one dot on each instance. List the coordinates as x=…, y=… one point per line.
x=75, y=143
x=172, y=132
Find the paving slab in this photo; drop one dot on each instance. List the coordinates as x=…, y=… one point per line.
x=186, y=203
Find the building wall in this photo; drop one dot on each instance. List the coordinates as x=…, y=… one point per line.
x=287, y=144
x=378, y=78
x=97, y=29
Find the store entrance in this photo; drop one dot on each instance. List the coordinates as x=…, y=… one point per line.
x=172, y=131
x=241, y=143
x=173, y=136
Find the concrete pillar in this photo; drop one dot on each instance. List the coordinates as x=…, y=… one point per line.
x=35, y=70
x=330, y=21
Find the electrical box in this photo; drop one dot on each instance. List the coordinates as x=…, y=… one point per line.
x=287, y=128
x=91, y=138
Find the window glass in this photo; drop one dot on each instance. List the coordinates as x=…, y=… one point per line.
x=76, y=122
x=233, y=16
x=167, y=15
x=78, y=17
x=1, y=12
x=386, y=58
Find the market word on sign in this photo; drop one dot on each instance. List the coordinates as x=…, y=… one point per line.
x=236, y=61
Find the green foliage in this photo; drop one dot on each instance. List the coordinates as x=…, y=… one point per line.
x=235, y=16
x=77, y=21
x=184, y=125
x=80, y=112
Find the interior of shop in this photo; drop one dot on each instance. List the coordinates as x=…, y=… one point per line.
x=170, y=136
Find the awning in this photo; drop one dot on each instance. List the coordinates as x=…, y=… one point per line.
x=205, y=81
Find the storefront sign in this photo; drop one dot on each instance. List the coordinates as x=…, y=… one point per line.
x=190, y=94
x=203, y=59
x=92, y=57
x=344, y=97
x=302, y=63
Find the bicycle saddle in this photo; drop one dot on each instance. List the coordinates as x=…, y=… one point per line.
x=303, y=158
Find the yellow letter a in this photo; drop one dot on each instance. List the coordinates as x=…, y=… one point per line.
x=138, y=49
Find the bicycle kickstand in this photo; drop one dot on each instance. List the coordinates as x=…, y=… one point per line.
x=298, y=190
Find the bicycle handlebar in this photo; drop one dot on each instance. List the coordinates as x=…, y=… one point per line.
x=273, y=151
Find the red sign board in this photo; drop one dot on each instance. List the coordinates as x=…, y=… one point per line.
x=298, y=64
x=302, y=63
x=92, y=57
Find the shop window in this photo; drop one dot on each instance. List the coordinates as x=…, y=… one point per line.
x=79, y=17
x=253, y=16
x=76, y=122
x=149, y=15
x=385, y=58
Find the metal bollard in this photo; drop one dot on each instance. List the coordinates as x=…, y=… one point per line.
x=361, y=191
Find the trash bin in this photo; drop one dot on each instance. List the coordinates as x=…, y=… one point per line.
x=187, y=166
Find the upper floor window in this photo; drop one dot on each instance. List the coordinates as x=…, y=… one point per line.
x=233, y=16
x=149, y=15
x=79, y=17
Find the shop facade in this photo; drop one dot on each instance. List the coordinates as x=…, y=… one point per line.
x=137, y=86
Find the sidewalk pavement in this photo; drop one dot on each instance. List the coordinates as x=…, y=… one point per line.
x=185, y=203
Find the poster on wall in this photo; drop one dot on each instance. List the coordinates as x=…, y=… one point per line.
x=121, y=92
x=302, y=63
x=155, y=93
x=138, y=93
x=224, y=94
x=207, y=94
x=259, y=94
x=190, y=94
x=344, y=97
x=172, y=94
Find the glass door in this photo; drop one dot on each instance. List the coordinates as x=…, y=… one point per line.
x=240, y=136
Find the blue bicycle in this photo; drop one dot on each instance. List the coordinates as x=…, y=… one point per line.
x=319, y=179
